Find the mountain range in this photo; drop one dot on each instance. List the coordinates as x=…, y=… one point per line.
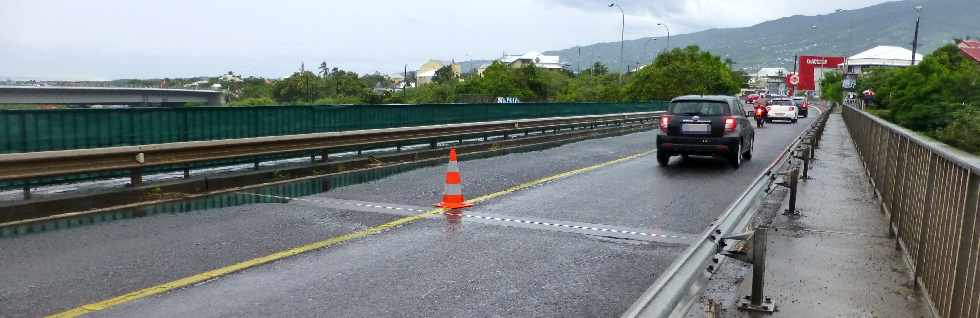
x=774, y=43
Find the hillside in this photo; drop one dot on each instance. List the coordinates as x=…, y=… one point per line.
x=774, y=43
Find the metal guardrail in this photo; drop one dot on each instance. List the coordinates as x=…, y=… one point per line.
x=673, y=293
x=26, y=166
x=930, y=192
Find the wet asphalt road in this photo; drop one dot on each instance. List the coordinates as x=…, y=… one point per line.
x=424, y=269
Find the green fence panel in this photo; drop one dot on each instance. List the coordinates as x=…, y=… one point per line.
x=44, y=130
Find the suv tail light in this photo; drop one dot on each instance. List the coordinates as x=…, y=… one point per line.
x=664, y=122
x=768, y=108
x=803, y=106
x=792, y=108
x=730, y=124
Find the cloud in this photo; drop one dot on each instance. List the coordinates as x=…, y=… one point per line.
x=125, y=38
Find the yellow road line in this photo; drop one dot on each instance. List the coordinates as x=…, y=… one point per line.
x=215, y=273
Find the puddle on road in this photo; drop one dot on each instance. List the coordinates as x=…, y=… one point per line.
x=278, y=193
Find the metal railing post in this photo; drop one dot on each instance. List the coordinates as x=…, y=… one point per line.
x=966, y=254
x=924, y=224
x=27, y=190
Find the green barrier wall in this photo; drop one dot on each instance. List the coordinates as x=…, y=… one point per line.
x=44, y=130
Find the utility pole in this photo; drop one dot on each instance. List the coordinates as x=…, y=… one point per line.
x=915, y=38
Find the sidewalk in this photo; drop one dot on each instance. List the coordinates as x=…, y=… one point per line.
x=836, y=259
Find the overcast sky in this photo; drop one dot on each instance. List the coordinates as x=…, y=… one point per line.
x=106, y=39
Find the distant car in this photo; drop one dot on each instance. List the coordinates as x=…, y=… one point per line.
x=782, y=109
x=802, y=105
x=708, y=126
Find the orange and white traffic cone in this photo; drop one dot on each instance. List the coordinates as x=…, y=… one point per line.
x=452, y=197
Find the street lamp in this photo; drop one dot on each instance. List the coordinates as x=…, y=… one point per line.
x=622, y=37
x=915, y=39
x=668, y=34
x=647, y=42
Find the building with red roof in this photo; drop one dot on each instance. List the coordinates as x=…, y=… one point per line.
x=971, y=49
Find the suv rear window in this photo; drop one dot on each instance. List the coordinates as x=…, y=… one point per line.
x=698, y=107
x=785, y=102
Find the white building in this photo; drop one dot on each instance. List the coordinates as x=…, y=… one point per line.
x=535, y=58
x=881, y=56
x=772, y=79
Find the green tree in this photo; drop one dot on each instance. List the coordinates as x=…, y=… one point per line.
x=831, y=87
x=297, y=88
x=444, y=75
x=681, y=72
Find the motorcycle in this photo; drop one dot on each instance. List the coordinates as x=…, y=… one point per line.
x=760, y=116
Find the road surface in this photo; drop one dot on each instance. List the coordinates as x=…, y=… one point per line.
x=583, y=244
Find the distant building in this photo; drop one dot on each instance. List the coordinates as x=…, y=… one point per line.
x=533, y=58
x=427, y=71
x=971, y=49
x=879, y=57
x=550, y=62
x=772, y=79
x=230, y=77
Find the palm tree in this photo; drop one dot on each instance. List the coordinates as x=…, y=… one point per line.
x=324, y=70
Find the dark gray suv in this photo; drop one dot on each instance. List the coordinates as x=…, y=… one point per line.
x=707, y=126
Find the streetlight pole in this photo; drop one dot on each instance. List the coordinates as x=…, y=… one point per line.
x=622, y=38
x=647, y=42
x=915, y=39
x=668, y=34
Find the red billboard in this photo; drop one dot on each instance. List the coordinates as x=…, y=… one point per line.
x=811, y=70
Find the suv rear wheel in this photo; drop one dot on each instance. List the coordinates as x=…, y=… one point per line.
x=663, y=158
x=748, y=154
x=735, y=158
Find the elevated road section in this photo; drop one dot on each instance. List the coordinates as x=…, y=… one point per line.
x=107, y=96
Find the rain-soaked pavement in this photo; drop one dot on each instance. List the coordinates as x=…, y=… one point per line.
x=836, y=258
x=584, y=245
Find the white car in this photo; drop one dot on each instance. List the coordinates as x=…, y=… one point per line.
x=782, y=109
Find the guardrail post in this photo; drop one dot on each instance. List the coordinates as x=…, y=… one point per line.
x=135, y=176
x=187, y=172
x=794, y=176
x=806, y=163
x=433, y=144
x=27, y=190
x=324, y=155
x=757, y=301
x=255, y=165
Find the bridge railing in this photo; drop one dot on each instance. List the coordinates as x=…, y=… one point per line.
x=930, y=192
